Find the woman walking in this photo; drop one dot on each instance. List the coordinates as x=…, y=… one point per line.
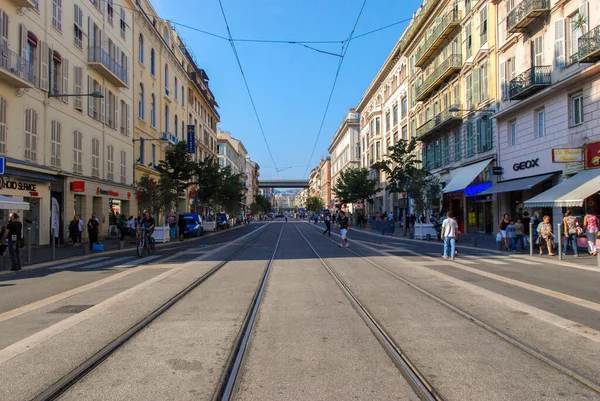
x=570, y=224
x=590, y=222
x=545, y=236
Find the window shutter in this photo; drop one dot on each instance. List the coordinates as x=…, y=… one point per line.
x=102, y=101
x=65, y=75
x=23, y=41
x=90, y=89
x=3, y=22
x=117, y=122
x=77, y=87
x=503, y=85
x=476, y=87
x=90, y=33
x=559, y=43
x=101, y=41
x=128, y=119
x=44, y=66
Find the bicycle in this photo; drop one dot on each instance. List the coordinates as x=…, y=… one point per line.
x=145, y=242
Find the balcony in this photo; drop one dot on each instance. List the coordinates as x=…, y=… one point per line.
x=442, y=121
x=437, y=36
x=451, y=65
x=525, y=13
x=530, y=82
x=15, y=70
x=107, y=66
x=25, y=3
x=589, y=46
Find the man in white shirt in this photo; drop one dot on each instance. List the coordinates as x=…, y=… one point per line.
x=80, y=226
x=449, y=235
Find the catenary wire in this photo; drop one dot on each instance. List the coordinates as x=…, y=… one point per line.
x=235, y=53
x=337, y=74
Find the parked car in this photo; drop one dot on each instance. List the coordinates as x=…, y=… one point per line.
x=222, y=220
x=193, y=222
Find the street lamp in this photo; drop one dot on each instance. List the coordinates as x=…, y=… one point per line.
x=95, y=95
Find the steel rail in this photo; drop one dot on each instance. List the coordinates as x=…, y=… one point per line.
x=506, y=337
x=228, y=383
x=72, y=377
x=418, y=382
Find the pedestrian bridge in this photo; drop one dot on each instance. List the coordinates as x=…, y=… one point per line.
x=282, y=183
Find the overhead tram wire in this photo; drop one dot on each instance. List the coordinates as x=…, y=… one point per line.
x=345, y=47
x=235, y=53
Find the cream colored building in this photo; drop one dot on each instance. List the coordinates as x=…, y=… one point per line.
x=252, y=173
x=76, y=149
x=344, y=148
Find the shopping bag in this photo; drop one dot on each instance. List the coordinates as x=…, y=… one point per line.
x=98, y=247
x=499, y=237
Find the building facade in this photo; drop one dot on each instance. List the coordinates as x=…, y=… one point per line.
x=344, y=149
x=252, y=174
x=73, y=151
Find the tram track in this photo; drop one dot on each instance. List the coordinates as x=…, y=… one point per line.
x=67, y=381
x=590, y=383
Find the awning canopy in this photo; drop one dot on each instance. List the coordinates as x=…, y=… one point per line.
x=9, y=203
x=516, y=185
x=569, y=193
x=463, y=176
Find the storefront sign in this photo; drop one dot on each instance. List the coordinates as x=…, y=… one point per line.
x=78, y=186
x=474, y=189
x=20, y=186
x=191, y=138
x=592, y=155
x=565, y=155
x=100, y=191
x=526, y=164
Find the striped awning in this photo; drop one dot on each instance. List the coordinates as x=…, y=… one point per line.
x=569, y=193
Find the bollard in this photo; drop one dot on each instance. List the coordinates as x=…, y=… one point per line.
x=531, y=238
x=53, y=244
x=121, y=244
x=28, y=245
x=560, y=256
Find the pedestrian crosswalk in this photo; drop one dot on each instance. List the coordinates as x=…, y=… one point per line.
x=104, y=261
x=109, y=262
x=475, y=259
x=74, y=264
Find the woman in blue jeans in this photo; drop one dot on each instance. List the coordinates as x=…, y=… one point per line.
x=449, y=234
x=570, y=224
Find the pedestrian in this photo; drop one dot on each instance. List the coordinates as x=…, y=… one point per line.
x=520, y=232
x=80, y=226
x=590, y=223
x=391, y=216
x=570, y=228
x=327, y=220
x=181, y=226
x=511, y=232
x=344, y=228
x=13, y=234
x=122, y=226
x=131, y=223
x=74, y=230
x=545, y=235
x=93, y=226
x=526, y=220
x=449, y=235
x=502, y=229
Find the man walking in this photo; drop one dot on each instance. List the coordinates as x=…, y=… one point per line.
x=13, y=233
x=344, y=228
x=93, y=226
x=449, y=235
x=327, y=220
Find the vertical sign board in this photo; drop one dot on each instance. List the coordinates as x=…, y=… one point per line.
x=191, y=138
x=2, y=165
x=592, y=155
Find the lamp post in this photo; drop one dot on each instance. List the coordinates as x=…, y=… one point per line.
x=95, y=95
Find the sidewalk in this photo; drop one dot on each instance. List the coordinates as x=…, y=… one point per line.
x=487, y=243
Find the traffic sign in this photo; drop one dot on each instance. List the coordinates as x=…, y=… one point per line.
x=2, y=165
x=191, y=138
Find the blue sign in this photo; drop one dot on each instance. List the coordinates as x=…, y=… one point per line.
x=2, y=165
x=475, y=189
x=191, y=138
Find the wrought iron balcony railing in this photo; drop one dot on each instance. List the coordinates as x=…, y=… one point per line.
x=524, y=13
x=438, y=121
x=20, y=69
x=437, y=35
x=98, y=55
x=589, y=46
x=529, y=82
x=448, y=67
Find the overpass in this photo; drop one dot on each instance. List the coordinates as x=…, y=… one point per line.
x=283, y=183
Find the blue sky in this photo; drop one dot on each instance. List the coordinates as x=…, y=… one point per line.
x=290, y=84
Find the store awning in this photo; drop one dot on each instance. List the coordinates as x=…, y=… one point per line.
x=463, y=176
x=569, y=193
x=521, y=184
x=8, y=203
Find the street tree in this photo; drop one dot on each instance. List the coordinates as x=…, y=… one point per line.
x=148, y=196
x=175, y=172
x=355, y=186
x=230, y=192
x=314, y=204
x=260, y=205
x=208, y=180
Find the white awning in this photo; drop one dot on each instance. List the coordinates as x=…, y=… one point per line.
x=463, y=176
x=569, y=193
x=9, y=203
x=516, y=185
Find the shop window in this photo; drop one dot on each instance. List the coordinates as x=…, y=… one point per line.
x=2, y=125
x=31, y=135
x=77, y=152
x=55, y=127
x=576, y=103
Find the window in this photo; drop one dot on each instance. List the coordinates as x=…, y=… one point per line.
x=110, y=11
x=576, y=109
x=77, y=152
x=559, y=43
x=31, y=135
x=55, y=74
x=176, y=123
x=125, y=120
x=152, y=68
x=123, y=167
x=485, y=92
x=468, y=85
x=142, y=158
x=166, y=118
x=182, y=130
x=110, y=162
x=141, y=49
x=175, y=86
x=512, y=132
x=484, y=134
x=483, y=22
x=537, y=48
x=141, y=102
x=182, y=95
x=377, y=125
x=95, y=158
x=153, y=110
x=78, y=26
x=395, y=114
x=404, y=133
x=123, y=24
x=468, y=40
x=387, y=121
x=153, y=155
x=467, y=6
x=577, y=31
x=404, y=106
x=446, y=150
x=2, y=125
x=377, y=150
x=55, y=144
x=470, y=139
x=166, y=80
x=457, y=155
x=540, y=123
x=57, y=14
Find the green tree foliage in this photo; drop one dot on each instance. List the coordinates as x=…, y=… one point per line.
x=148, y=196
x=260, y=205
x=230, y=194
x=208, y=179
x=314, y=204
x=354, y=186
